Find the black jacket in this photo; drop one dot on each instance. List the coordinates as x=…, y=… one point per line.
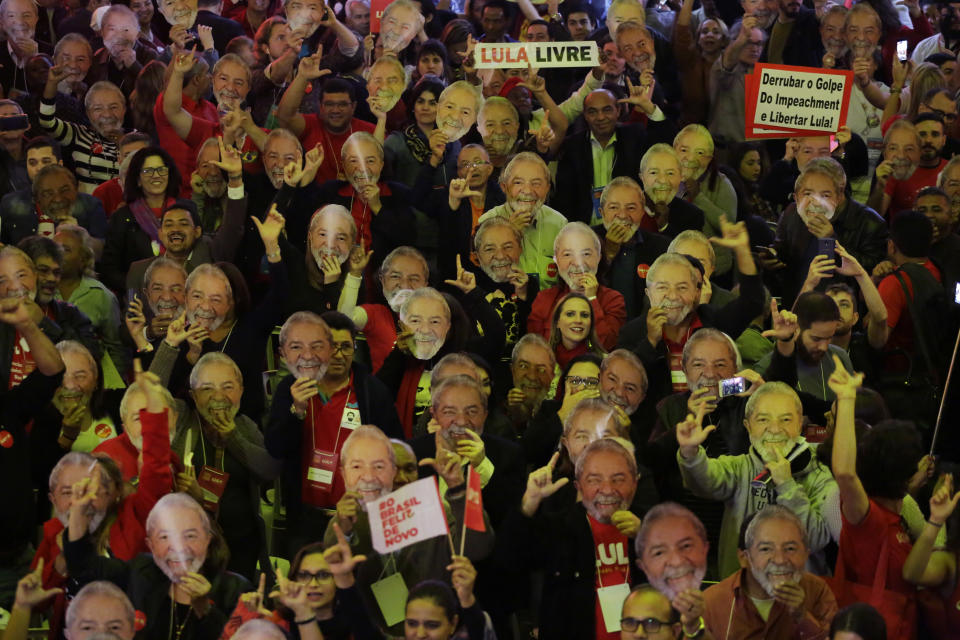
x=67, y=323
x=284, y=433
x=572, y=195
x=683, y=216
x=803, y=47
x=224, y=29
x=623, y=273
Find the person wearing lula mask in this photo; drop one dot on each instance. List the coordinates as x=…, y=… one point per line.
x=773, y=418
x=74, y=52
x=697, y=245
x=576, y=252
x=526, y=182
x=661, y=174
x=18, y=19
x=123, y=54
x=425, y=318
x=627, y=250
x=899, y=192
x=772, y=594
x=822, y=210
x=386, y=81
x=704, y=186
x=498, y=124
x=400, y=23
x=317, y=276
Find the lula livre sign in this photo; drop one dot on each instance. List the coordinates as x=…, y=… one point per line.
x=513, y=55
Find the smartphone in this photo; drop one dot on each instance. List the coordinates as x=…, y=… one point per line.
x=827, y=247
x=902, y=50
x=956, y=294
x=12, y=123
x=769, y=251
x=732, y=386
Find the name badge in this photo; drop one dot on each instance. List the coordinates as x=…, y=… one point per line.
x=351, y=417
x=391, y=596
x=611, y=604
x=213, y=482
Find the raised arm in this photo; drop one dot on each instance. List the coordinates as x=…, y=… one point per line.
x=876, y=320
x=924, y=567
x=179, y=118
x=854, y=502
x=731, y=54
x=24, y=315
x=288, y=115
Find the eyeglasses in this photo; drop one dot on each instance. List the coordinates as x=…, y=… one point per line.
x=578, y=381
x=154, y=171
x=306, y=577
x=343, y=347
x=947, y=117
x=472, y=165
x=650, y=625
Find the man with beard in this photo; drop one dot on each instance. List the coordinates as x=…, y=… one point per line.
x=901, y=181
x=623, y=385
x=780, y=468
x=945, y=248
x=380, y=209
x=627, y=251
x=182, y=578
x=21, y=279
x=675, y=312
x=696, y=245
x=333, y=122
x=940, y=101
x=576, y=252
x=457, y=110
x=498, y=124
x=532, y=365
x=52, y=200
x=317, y=277
x=114, y=519
x=526, y=182
x=369, y=468
x=793, y=36
x=672, y=551
x=229, y=460
x=727, y=81
x=385, y=84
x=607, y=149
x=93, y=147
x=317, y=25
x=593, y=553
x=821, y=209
x=804, y=346
x=182, y=234
x=777, y=183
x=230, y=84
x=832, y=39
x=400, y=23
x=164, y=284
x=99, y=611
x=661, y=174
x=771, y=596
x=314, y=410
x=123, y=54
x=18, y=19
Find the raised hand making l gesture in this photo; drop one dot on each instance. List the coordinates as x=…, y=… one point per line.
x=691, y=432
x=466, y=281
x=540, y=486
x=785, y=325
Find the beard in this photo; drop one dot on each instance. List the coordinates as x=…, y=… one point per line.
x=643, y=61
x=276, y=177
x=96, y=517
x=394, y=41
x=208, y=319
x=218, y=410
x=703, y=381
x=499, y=270
x=308, y=368
x=397, y=297
x=165, y=308
x=116, y=46
x=387, y=99
x=774, y=575
x=499, y=144
x=189, y=563
x=676, y=311
x=612, y=397
x=525, y=204
x=301, y=23
x=675, y=580
x=573, y=275
x=662, y=193
x=376, y=489
x=769, y=444
x=691, y=170
x=603, y=506
x=108, y=126
x=837, y=47
x=320, y=253
x=214, y=186
x=426, y=345
x=815, y=205
x=22, y=292
x=228, y=98
x=862, y=48
x=455, y=433
x=452, y=128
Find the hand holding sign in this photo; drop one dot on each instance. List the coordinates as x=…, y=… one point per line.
x=463, y=576
x=534, y=82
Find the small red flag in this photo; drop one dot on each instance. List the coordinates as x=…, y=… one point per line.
x=473, y=513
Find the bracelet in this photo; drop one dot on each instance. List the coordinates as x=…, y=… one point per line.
x=300, y=623
x=934, y=524
x=895, y=90
x=238, y=176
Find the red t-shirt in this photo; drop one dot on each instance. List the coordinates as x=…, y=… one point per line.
x=201, y=130
x=184, y=155
x=613, y=566
x=110, y=193
x=675, y=350
x=898, y=315
x=860, y=546
x=380, y=332
x=314, y=133
x=322, y=430
x=902, y=194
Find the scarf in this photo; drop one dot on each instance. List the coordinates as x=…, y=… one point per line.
x=145, y=217
x=416, y=143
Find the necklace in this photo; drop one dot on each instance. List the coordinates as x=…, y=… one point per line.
x=179, y=630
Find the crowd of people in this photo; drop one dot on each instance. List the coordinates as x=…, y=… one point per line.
x=702, y=382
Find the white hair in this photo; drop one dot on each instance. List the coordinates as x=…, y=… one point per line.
x=176, y=500
x=214, y=357
x=103, y=589
x=335, y=210
x=259, y=629
x=576, y=227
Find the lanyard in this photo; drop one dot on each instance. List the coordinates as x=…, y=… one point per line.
x=313, y=428
x=217, y=451
x=333, y=152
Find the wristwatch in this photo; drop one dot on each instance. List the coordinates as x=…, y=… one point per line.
x=702, y=629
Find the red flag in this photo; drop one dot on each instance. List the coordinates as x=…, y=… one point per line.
x=473, y=513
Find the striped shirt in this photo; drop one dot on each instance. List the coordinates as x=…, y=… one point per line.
x=94, y=157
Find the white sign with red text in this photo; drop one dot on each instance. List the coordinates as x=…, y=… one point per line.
x=539, y=55
x=408, y=515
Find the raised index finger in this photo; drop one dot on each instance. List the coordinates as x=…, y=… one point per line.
x=553, y=461
x=262, y=586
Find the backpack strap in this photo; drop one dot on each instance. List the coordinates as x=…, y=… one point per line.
x=921, y=337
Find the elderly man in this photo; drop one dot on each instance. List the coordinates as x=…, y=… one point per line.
x=772, y=596
x=368, y=466
x=21, y=279
x=727, y=81
x=606, y=149
x=628, y=251
x=672, y=552
x=164, y=292
x=592, y=554
x=675, y=311
x=624, y=384
x=52, y=200
x=899, y=190
x=182, y=577
x=661, y=174
x=99, y=609
x=229, y=460
x=780, y=468
x=822, y=210
x=17, y=410
x=499, y=124
x=385, y=84
x=576, y=253
x=526, y=182
x=182, y=234
x=532, y=364
x=710, y=191
x=123, y=54
x=776, y=185
x=74, y=52
x=18, y=18
x=357, y=16
x=192, y=124
x=327, y=396
x=697, y=245
x=93, y=147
